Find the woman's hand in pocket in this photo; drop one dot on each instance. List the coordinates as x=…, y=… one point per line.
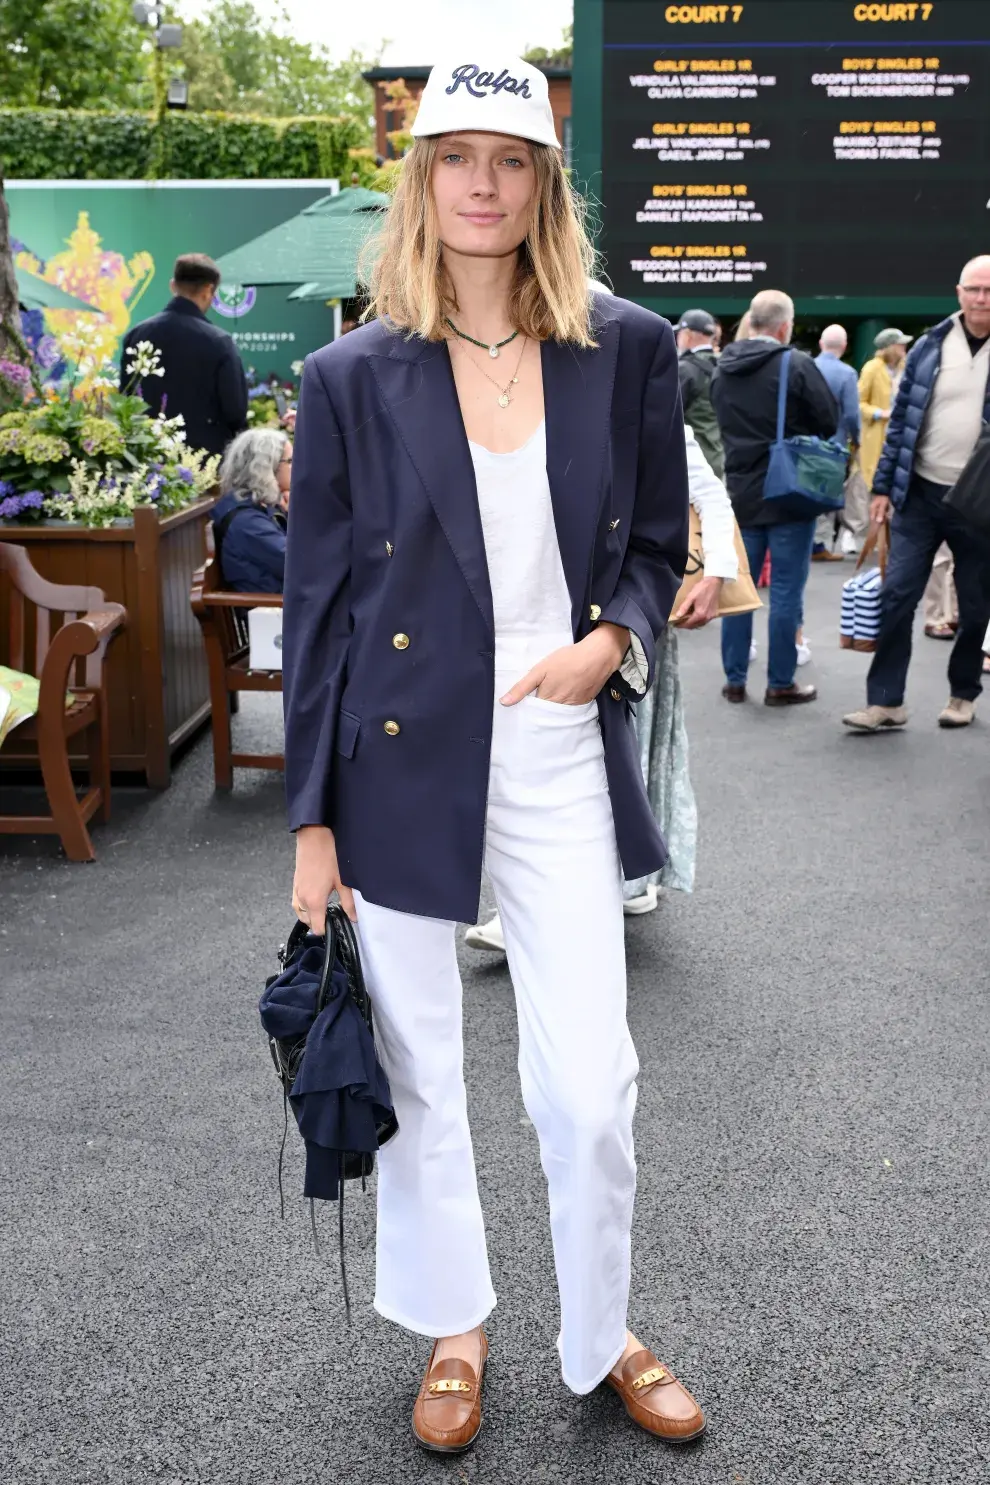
x=317, y=876
x=575, y=674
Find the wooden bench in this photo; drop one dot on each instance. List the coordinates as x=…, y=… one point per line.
x=67, y=656
x=223, y=619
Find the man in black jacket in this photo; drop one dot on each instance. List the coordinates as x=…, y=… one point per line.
x=204, y=378
x=745, y=388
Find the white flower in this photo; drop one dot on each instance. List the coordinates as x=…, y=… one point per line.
x=144, y=360
x=296, y=367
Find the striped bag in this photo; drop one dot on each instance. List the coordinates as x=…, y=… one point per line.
x=859, y=625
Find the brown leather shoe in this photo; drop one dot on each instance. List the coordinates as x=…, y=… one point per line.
x=792, y=695
x=734, y=693
x=826, y=556
x=656, y=1400
x=447, y=1414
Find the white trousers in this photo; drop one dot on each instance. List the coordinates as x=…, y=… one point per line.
x=551, y=855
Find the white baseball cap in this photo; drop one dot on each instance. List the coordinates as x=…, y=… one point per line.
x=499, y=95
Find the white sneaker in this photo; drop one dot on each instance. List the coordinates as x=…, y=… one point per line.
x=644, y=903
x=803, y=652
x=847, y=543
x=752, y=651
x=487, y=936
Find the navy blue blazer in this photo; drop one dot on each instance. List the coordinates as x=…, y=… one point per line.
x=390, y=745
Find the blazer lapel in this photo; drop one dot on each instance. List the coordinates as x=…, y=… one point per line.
x=577, y=395
x=417, y=386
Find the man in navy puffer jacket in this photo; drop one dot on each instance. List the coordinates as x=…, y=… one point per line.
x=942, y=403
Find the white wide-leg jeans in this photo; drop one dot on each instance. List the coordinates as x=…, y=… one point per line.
x=551, y=855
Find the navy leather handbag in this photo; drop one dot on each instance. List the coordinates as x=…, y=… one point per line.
x=808, y=473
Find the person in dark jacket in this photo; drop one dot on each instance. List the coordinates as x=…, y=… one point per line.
x=696, y=362
x=942, y=404
x=204, y=378
x=745, y=388
x=250, y=518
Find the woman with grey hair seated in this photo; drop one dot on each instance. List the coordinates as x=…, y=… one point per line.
x=249, y=519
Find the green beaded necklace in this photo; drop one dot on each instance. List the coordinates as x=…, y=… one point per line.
x=492, y=350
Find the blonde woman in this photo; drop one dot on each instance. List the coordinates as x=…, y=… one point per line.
x=489, y=524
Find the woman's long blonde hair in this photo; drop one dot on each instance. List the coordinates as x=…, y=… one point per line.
x=549, y=299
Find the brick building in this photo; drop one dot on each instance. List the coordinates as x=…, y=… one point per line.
x=558, y=80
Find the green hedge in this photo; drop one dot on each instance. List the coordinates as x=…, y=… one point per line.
x=76, y=144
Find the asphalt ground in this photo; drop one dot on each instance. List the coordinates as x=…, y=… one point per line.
x=811, y=1239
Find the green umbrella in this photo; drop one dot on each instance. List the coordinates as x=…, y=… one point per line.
x=37, y=293
x=318, y=249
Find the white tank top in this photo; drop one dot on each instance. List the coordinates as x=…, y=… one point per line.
x=529, y=590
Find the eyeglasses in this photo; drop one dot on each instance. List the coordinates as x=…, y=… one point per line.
x=285, y=460
x=976, y=290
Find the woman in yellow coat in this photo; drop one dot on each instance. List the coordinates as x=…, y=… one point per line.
x=876, y=393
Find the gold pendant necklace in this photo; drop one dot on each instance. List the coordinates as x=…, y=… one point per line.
x=503, y=392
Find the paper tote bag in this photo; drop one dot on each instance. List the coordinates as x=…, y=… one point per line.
x=808, y=474
x=738, y=597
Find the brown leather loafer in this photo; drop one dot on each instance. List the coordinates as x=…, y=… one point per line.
x=734, y=693
x=789, y=695
x=447, y=1414
x=656, y=1400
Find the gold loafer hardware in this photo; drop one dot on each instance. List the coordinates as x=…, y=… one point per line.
x=655, y=1374
x=448, y=1384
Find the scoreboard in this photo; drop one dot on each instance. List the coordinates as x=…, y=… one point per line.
x=831, y=148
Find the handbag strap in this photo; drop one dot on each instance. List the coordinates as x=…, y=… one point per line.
x=329, y=959
x=878, y=540
x=785, y=363
x=346, y=947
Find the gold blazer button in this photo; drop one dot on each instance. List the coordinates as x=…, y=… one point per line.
x=401, y=641
x=615, y=695
x=596, y=613
x=392, y=728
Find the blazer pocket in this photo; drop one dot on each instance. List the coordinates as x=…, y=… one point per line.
x=348, y=727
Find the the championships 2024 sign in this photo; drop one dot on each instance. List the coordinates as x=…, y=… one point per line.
x=829, y=147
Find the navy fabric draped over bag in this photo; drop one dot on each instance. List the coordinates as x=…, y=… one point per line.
x=317, y=1014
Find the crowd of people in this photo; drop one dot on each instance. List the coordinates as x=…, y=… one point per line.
x=490, y=684
x=906, y=424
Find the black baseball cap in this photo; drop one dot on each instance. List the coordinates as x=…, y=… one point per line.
x=697, y=319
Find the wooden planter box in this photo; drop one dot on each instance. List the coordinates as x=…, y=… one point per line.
x=157, y=680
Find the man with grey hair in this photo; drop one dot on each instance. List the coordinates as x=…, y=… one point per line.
x=942, y=404
x=844, y=386
x=745, y=389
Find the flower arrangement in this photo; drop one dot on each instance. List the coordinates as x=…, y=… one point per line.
x=87, y=452
x=265, y=394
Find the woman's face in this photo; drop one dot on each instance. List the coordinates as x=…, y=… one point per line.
x=483, y=187
x=284, y=473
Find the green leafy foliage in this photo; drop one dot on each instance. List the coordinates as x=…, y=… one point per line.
x=67, y=53
x=236, y=60
x=561, y=55
x=75, y=144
